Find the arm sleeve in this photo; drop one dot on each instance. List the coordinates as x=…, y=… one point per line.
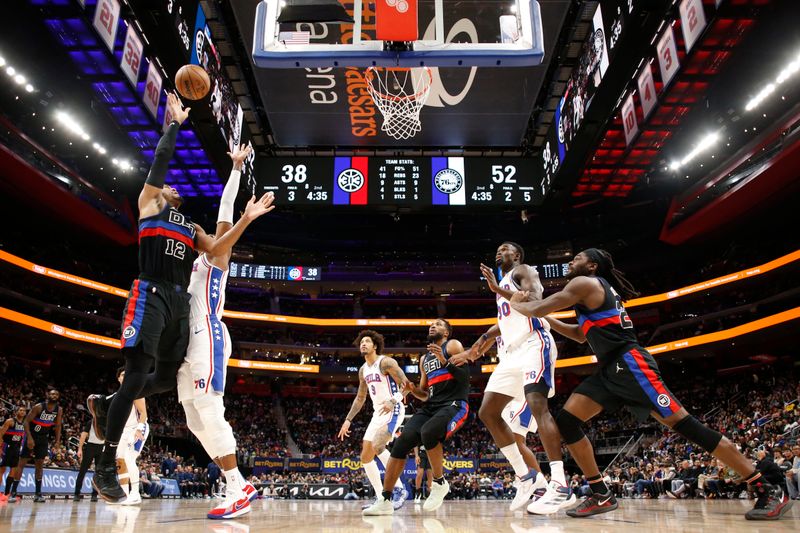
x=164, y=151
x=228, y=197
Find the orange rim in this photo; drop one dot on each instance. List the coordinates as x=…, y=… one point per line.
x=372, y=71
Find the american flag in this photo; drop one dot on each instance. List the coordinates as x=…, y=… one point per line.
x=294, y=37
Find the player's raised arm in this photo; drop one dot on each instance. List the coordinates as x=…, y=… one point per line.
x=358, y=403
x=573, y=293
x=571, y=331
x=223, y=246
x=151, y=200
x=491, y=282
x=225, y=216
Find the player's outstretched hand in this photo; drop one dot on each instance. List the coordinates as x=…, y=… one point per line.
x=491, y=280
x=386, y=407
x=239, y=155
x=520, y=296
x=345, y=431
x=176, y=109
x=262, y=206
x=436, y=351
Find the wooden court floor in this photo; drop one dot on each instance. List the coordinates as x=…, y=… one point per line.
x=641, y=516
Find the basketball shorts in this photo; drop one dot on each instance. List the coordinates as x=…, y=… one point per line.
x=529, y=366
x=156, y=319
x=424, y=462
x=129, y=446
x=11, y=454
x=205, y=367
x=518, y=416
x=442, y=420
x=389, y=422
x=631, y=380
x=40, y=449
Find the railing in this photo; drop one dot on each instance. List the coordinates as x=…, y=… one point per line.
x=624, y=449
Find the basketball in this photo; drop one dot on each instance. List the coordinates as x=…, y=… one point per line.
x=192, y=82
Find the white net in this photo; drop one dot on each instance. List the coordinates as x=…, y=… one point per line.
x=400, y=94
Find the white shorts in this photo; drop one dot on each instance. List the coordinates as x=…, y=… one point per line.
x=390, y=422
x=534, y=361
x=518, y=416
x=129, y=448
x=205, y=367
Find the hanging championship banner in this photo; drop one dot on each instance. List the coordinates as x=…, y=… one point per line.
x=152, y=89
x=647, y=90
x=106, y=19
x=629, y=120
x=667, y=56
x=132, y=56
x=693, y=21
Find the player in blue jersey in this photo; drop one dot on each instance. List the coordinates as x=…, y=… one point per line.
x=627, y=376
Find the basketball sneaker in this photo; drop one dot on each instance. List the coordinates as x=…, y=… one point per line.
x=230, y=508
x=555, y=498
x=594, y=504
x=771, y=503
x=250, y=491
x=38, y=499
x=525, y=487
x=106, y=484
x=3, y=498
x=436, y=497
x=381, y=507
x=134, y=498
x=399, y=496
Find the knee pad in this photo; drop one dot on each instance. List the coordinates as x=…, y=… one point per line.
x=404, y=444
x=211, y=409
x=693, y=430
x=570, y=427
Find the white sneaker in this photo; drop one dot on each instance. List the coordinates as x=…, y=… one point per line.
x=133, y=499
x=525, y=487
x=381, y=507
x=556, y=497
x=436, y=497
x=399, y=496
x=230, y=508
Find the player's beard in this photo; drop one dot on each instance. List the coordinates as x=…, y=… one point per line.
x=435, y=338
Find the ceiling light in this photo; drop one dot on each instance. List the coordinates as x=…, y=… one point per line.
x=10, y=71
x=29, y=88
x=20, y=79
x=2, y=61
x=705, y=143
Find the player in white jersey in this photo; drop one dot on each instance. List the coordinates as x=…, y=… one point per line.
x=527, y=353
x=201, y=377
x=386, y=384
x=130, y=446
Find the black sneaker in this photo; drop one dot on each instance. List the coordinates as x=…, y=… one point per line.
x=106, y=484
x=771, y=502
x=93, y=498
x=98, y=408
x=38, y=499
x=594, y=504
x=76, y=497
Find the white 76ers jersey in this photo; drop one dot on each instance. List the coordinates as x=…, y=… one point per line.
x=515, y=328
x=381, y=386
x=207, y=289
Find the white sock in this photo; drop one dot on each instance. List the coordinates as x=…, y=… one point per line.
x=511, y=452
x=384, y=458
x=135, y=487
x=234, y=482
x=557, y=473
x=374, y=476
x=123, y=482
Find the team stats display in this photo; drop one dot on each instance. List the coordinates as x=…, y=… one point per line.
x=400, y=181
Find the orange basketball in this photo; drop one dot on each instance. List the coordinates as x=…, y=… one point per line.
x=192, y=82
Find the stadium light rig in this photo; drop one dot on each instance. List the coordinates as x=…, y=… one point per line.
x=705, y=143
x=788, y=71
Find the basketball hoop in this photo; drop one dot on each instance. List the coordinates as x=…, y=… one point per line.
x=400, y=94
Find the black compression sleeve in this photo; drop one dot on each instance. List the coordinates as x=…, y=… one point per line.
x=164, y=151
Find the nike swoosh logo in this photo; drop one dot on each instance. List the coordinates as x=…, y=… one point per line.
x=198, y=331
x=603, y=502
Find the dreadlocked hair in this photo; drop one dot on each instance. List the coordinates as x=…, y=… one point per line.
x=607, y=270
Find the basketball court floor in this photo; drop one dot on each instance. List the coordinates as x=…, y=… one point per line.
x=458, y=516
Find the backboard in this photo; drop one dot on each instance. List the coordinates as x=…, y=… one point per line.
x=405, y=33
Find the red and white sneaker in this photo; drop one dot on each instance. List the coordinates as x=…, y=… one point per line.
x=250, y=491
x=230, y=508
x=3, y=498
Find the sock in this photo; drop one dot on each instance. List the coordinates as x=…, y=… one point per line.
x=557, y=473
x=38, y=487
x=384, y=458
x=123, y=482
x=387, y=495
x=511, y=452
x=15, y=486
x=374, y=476
x=135, y=487
x=439, y=480
x=234, y=482
x=109, y=454
x=9, y=483
x=752, y=478
x=597, y=485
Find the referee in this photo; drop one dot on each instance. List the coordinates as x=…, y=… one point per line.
x=89, y=449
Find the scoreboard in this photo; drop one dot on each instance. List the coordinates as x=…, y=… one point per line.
x=275, y=272
x=400, y=181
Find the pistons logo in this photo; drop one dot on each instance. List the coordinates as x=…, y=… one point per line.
x=664, y=400
x=129, y=332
